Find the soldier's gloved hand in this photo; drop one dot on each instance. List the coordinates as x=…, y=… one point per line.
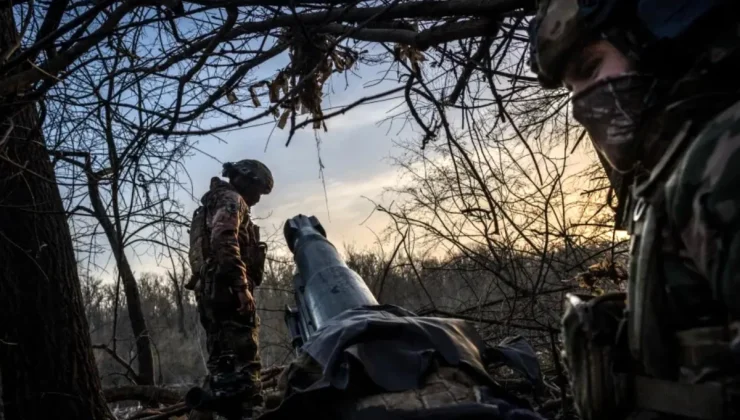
x=246, y=300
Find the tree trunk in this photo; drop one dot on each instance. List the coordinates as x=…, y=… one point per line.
x=138, y=324
x=48, y=369
x=2, y=409
x=181, y=317
x=177, y=291
x=145, y=358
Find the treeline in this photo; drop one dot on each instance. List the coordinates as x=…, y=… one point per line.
x=450, y=286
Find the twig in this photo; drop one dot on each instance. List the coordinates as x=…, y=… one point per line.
x=134, y=376
x=143, y=393
x=388, y=265
x=561, y=380
x=171, y=411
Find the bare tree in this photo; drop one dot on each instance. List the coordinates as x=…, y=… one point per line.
x=122, y=83
x=515, y=216
x=184, y=61
x=2, y=408
x=45, y=355
x=134, y=174
x=178, y=281
x=127, y=85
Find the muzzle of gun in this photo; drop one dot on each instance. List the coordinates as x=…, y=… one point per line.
x=324, y=286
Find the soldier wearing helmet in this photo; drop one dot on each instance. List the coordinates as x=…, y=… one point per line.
x=227, y=259
x=655, y=84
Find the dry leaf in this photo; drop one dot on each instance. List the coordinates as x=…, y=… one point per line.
x=318, y=123
x=274, y=92
x=350, y=61
x=231, y=97
x=599, y=266
x=283, y=119
x=399, y=52
x=284, y=83
x=255, y=99
x=586, y=280
x=415, y=67
x=338, y=62
x=104, y=173
x=417, y=55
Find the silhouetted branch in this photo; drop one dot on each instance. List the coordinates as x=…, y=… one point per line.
x=146, y=394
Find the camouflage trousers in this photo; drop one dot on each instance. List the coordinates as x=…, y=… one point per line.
x=232, y=340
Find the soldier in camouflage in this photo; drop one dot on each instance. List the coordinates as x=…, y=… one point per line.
x=655, y=83
x=227, y=260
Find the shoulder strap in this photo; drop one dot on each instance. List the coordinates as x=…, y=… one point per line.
x=207, y=240
x=661, y=172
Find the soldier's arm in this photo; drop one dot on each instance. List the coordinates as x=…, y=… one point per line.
x=704, y=198
x=229, y=213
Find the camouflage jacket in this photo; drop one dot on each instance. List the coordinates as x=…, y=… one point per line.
x=231, y=231
x=684, y=287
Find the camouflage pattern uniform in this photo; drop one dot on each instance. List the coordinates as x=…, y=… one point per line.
x=234, y=259
x=680, y=337
x=230, y=335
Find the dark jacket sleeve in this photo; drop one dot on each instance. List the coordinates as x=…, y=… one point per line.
x=704, y=202
x=228, y=212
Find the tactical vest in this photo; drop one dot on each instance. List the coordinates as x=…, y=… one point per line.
x=672, y=354
x=253, y=251
x=199, y=251
x=676, y=329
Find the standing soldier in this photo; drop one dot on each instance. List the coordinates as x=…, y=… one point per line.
x=655, y=83
x=227, y=260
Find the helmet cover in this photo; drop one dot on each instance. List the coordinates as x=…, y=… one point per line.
x=253, y=169
x=559, y=27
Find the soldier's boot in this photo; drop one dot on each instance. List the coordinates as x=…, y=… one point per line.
x=257, y=404
x=253, y=404
x=198, y=414
x=253, y=391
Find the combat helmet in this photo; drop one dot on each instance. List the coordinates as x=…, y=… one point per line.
x=653, y=34
x=562, y=26
x=253, y=169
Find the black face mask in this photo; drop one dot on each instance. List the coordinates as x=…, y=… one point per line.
x=611, y=111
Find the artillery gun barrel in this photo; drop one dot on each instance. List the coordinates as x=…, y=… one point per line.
x=336, y=319
x=324, y=285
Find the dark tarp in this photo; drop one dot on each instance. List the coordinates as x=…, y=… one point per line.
x=516, y=353
x=393, y=345
x=394, y=349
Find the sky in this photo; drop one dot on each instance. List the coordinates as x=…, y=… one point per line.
x=355, y=153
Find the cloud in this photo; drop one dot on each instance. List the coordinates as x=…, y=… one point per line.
x=342, y=210
x=346, y=223
x=354, y=153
